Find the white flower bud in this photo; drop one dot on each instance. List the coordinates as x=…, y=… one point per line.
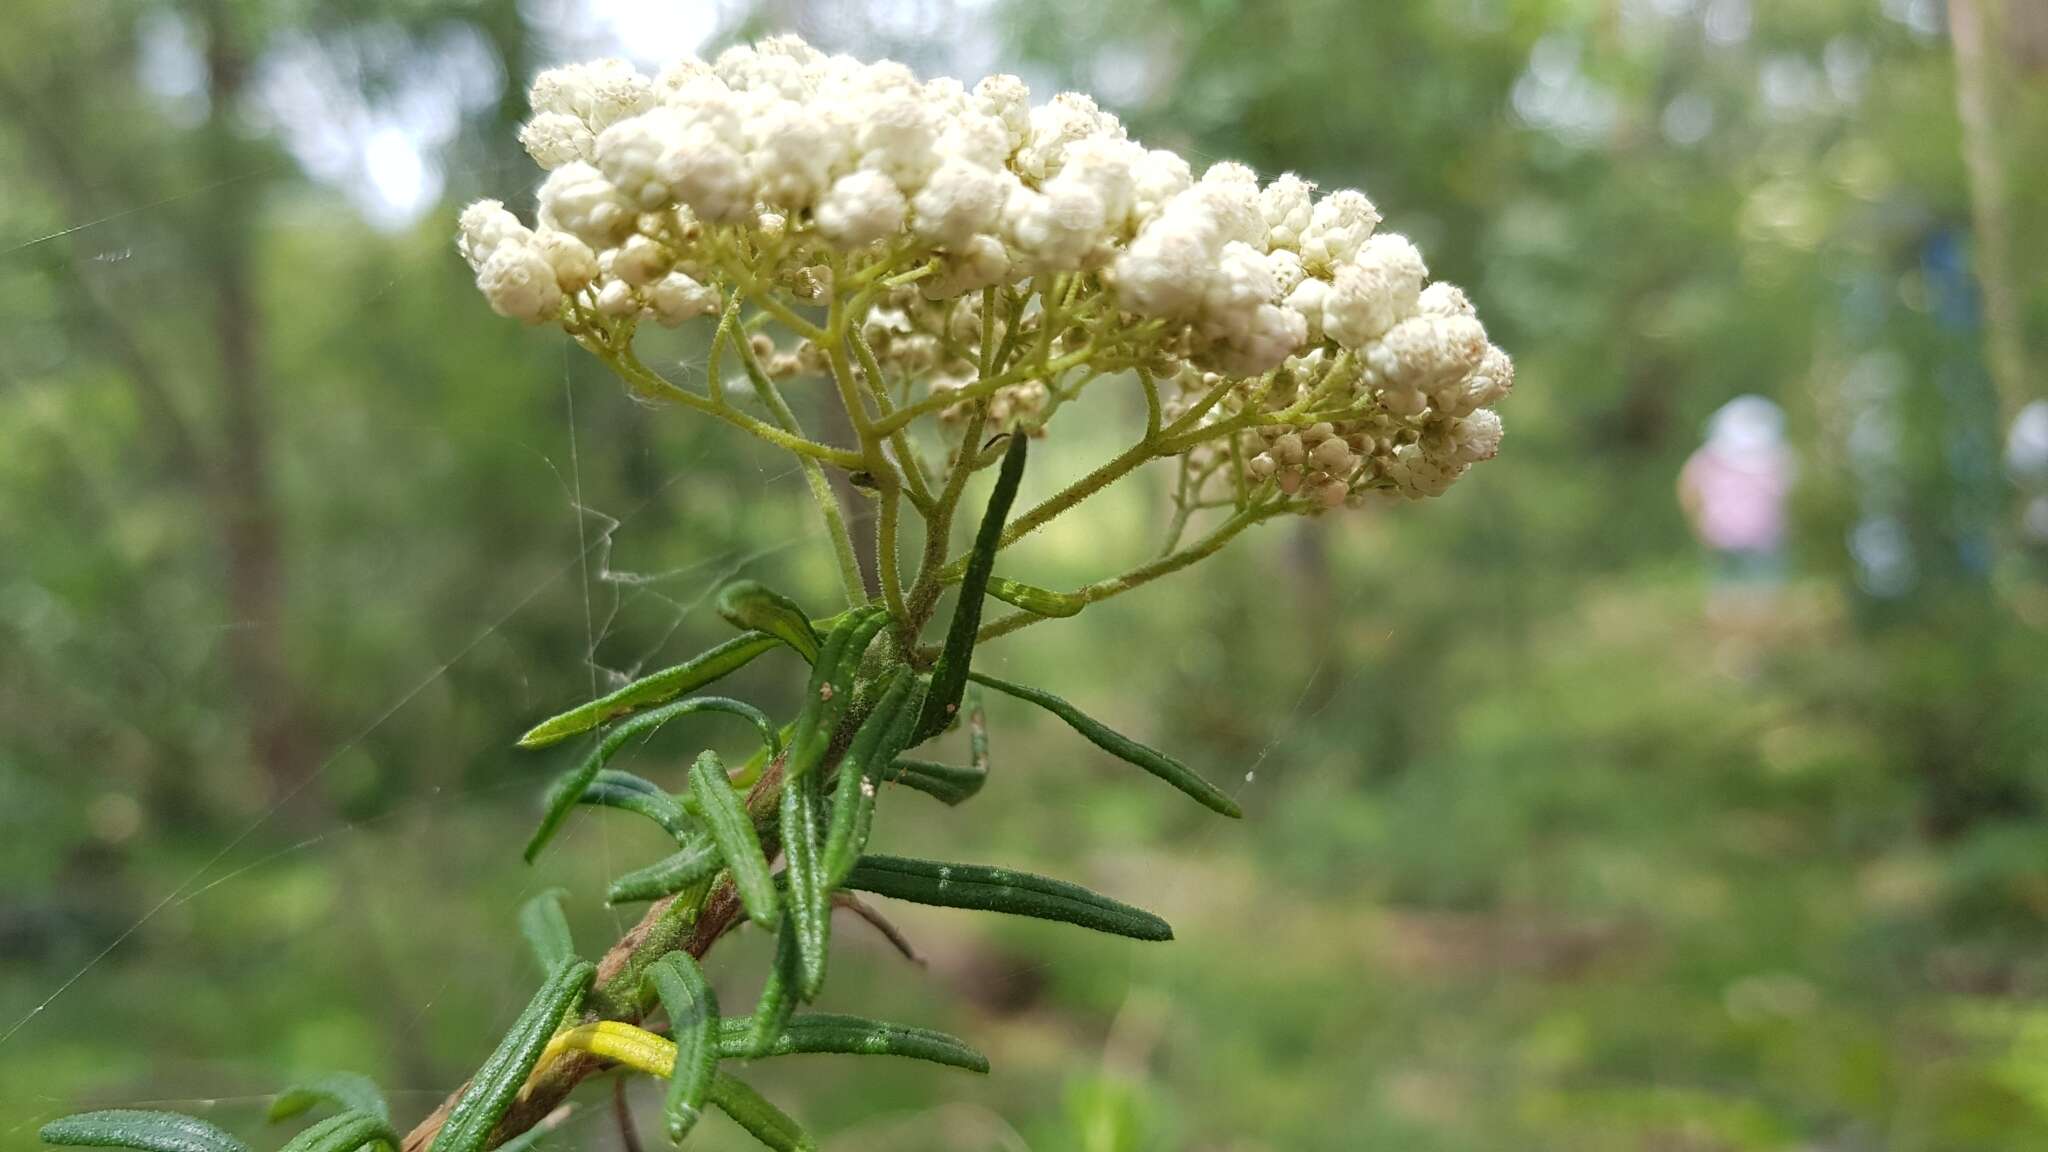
x=520, y=284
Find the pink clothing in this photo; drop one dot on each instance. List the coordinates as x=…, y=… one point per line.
x=1738, y=498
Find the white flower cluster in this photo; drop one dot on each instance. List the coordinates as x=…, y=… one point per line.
x=801, y=166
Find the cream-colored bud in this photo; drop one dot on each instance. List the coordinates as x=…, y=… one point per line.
x=1261, y=466
x=1288, y=450
x=1332, y=455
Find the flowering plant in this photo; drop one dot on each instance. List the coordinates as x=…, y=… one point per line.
x=954, y=266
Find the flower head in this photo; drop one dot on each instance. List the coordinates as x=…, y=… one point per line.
x=785, y=178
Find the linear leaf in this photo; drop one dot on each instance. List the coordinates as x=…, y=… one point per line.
x=762, y=1120
x=725, y=816
x=880, y=737
x=949, y=675
x=986, y=889
x=750, y=604
x=141, y=1130
x=810, y=898
x=568, y=788
x=827, y=1032
x=692, y=1009
x=778, y=995
x=1121, y=746
x=547, y=930
x=943, y=782
x=612, y=788
x=666, y=684
x=347, y=1091
x=344, y=1133
x=491, y=1091
x=671, y=874
x=1033, y=599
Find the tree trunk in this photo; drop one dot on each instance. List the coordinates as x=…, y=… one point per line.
x=243, y=499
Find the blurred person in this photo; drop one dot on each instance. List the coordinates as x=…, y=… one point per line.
x=1733, y=490
x=2026, y=463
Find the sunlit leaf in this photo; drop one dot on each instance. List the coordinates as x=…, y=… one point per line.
x=647, y=691
x=752, y=605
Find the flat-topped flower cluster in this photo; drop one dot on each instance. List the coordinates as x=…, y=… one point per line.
x=783, y=176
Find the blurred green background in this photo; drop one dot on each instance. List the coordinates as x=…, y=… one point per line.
x=1547, y=847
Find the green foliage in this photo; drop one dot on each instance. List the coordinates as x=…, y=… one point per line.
x=546, y=929
x=568, y=790
x=490, y=1092
x=986, y=889
x=751, y=605
x=648, y=691
x=825, y=1032
x=947, y=783
x=694, y=1025
x=346, y=1091
x=143, y=1131
x=1122, y=747
x=764, y=1121
x=732, y=830
x=346, y=1132
x=949, y=675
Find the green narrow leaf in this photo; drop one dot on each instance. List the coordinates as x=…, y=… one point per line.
x=752, y=604
x=943, y=782
x=778, y=995
x=831, y=689
x=732, y=830
x=546, y=930
x=880, y=737
x=344, y=1133
x=1121, y=746
x=612, y=788
x=695, y=1027
x=949, y=675
x=977, y=731
x=144, y=1131
x=1033, y=599
x=810, y=898
x=667, y=684
x=569, y=788
x=347, y=1091
x=762, y=1120
x=987, y=889
x=694, y=864
x=826, y=1032
x=491, y=1091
